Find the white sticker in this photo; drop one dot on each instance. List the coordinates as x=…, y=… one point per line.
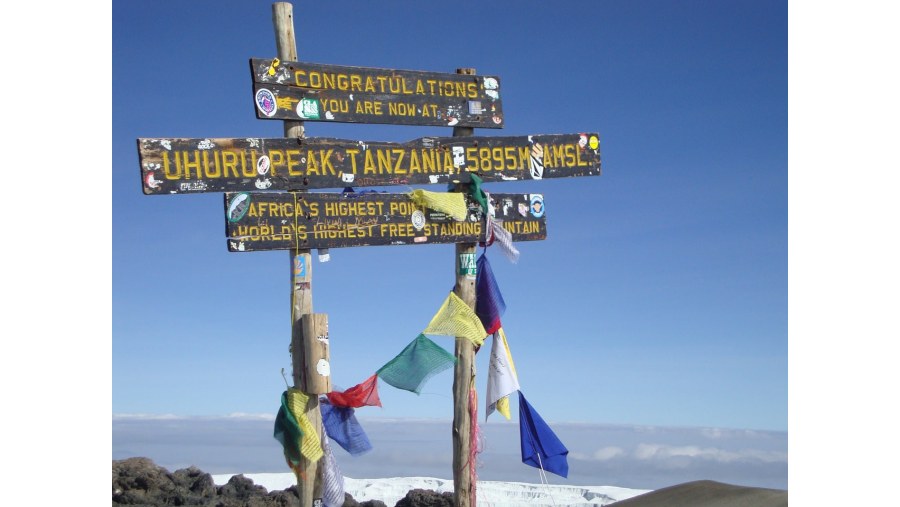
x=323, y=368
x=418, y=220
x=347, y=178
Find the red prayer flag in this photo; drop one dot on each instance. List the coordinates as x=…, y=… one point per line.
x=364, y=393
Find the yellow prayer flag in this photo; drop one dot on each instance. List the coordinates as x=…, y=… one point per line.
x=451, y=203
x=455, y=318
x=310, y=445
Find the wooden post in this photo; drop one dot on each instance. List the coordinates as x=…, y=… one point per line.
x=464, y=374
x=309, y=484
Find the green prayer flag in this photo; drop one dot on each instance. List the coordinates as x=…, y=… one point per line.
x=419, y=361
x=287, y=431
x=477, y=193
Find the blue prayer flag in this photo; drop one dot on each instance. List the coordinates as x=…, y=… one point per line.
x=540, y=446
x=342, y=427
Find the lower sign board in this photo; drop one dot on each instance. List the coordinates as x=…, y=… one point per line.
x=178, y=166
x=284, y=220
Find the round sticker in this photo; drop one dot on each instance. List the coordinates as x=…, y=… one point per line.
x=537, y=205
x=265, y=101
x=323, y=368
x=594, y=143
x=418, y=220
x=262, y=165
x=238, y=207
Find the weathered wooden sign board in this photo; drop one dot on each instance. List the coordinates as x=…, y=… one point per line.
x=320, y=92
x=213, y=165
x=280, y=220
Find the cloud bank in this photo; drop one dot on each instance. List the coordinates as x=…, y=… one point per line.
x=615, y=455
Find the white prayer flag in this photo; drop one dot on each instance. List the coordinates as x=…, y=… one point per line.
x=502, y=379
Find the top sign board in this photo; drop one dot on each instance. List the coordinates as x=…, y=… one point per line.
x=320, y=92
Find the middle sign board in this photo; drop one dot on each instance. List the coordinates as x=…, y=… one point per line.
x=173, y=166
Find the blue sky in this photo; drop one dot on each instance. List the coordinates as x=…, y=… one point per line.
x=659, y=296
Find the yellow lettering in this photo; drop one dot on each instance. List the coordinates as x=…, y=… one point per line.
x=325, y=157
x=472, y=158
x=229, y=163
x=497, y=155
x=355, y=82
x=370, y=85
x=484, y=156
x=276, y=158
x=188, y=165
x=291, y=163
x=248, y=170
x=429, y=161
x=414, y=162
x=510, y=153
x=448, y=162
x=419, y=88
x=399, y=152
x=167, y=165
x=570, y=155
x=298, y=80
x=578, y=161
x=352, y=153
x=216, y=172
x=370, y=163
x=311, y=166
x=384, y=162
x=524, y=156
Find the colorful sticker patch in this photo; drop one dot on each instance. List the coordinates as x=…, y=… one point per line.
x=537, y=161
x=459, y=156
x=308, y=109
x=265, y=101
x=299, y=267
x=523, y=209
x=594, y=143
x=537, y=205
x=491, y=83
x=238, y=207
x=467, y=265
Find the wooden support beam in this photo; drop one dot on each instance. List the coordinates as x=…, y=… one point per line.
x=464, y=374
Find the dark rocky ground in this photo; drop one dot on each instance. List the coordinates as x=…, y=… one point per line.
x=140, y=482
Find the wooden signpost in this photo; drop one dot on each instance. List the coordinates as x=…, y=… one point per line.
x=177, y=166
x=317, y=92
x=284, y=220
x=267, y=205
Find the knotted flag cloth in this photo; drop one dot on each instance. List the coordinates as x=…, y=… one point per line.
x=418, y=362
x=294, y=430
x=540, y=446
x=455, y=318
x=364, y=393
x=503, y=239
